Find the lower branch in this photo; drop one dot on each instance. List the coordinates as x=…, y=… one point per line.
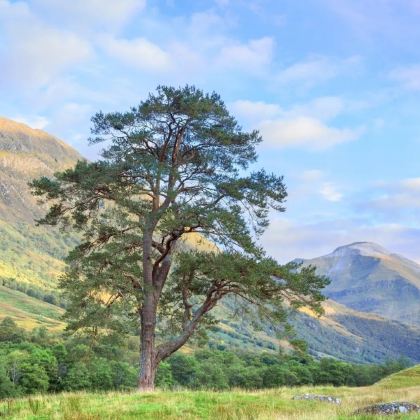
x=165, y=350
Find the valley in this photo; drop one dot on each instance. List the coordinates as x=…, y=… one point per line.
x=371, y=316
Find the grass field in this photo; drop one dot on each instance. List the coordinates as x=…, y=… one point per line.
x=237, y=404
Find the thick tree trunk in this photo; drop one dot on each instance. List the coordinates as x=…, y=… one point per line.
x=148, y=363
x=148, y=317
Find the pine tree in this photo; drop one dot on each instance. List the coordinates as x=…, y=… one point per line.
x=174, y=170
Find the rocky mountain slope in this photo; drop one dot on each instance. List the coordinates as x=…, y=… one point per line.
x=31, y=258
x=368, y=278
x=29, y=254
x=25, y=154
x=357, y=336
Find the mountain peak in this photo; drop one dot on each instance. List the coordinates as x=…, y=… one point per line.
x=367, y=277
x=12, y=126
x=19, y=137
x=363, y=248
x=26, y=154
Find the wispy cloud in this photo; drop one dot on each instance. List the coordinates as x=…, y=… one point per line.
x=315, y=70
x=254, y=55
x=395, y=199
x=94, y=13
x=408, y=76
x=330, y=192
x=304, y=132
x=37, y=52
x=301, y=126
x=139, y=53
x=35, y=121
x=287, y=240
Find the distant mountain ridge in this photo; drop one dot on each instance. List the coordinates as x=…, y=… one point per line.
x=366, y=277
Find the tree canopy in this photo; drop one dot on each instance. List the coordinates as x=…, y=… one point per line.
x=170, y=217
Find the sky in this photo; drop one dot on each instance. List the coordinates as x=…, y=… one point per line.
x=332, y=85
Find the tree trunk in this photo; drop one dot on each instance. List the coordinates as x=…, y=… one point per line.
x=148, y=363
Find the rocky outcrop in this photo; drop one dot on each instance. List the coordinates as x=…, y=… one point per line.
x=314, y=397
x=389, y=409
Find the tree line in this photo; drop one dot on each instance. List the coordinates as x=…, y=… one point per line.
x=43, y=362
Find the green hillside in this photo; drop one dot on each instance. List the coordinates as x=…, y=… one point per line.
x=406, y=378
x=28, y=312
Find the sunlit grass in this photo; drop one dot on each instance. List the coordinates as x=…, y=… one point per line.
x=404, y=378
x=236, y=404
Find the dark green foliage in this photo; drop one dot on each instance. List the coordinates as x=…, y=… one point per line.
x=100, y=374
x=34, y=378
x=184, y=369
x=7, y=387
x=77, y=377
x=164, y=377
x=71, y=364
x=9, y=331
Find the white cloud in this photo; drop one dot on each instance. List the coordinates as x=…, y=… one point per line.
x=36, y=53
x=255, y=112
x=409, y=76
x=36, y=121
x=203, y=23
x=254, y=55
x=399, y=197
x=304, y=132
x=412, y=184
x=311, y=175
x=325, y=108
x=312, y=183
x=329, y=192
x=302, y=125
x=139, y=53
x=391, y=202
x=91, y=12
x=315, y=70
x=286, y=239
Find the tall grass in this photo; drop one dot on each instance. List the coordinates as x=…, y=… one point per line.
x=186, y=405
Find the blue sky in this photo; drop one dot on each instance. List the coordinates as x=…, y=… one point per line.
x=333, y=86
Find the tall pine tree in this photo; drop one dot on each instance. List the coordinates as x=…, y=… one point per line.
x=174, y=170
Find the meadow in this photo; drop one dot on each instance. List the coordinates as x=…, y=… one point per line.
x=235, y=404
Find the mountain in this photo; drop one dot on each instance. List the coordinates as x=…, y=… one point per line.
x=29, y=255
x=25, y=154
x=31, y=259
x=366, y=277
